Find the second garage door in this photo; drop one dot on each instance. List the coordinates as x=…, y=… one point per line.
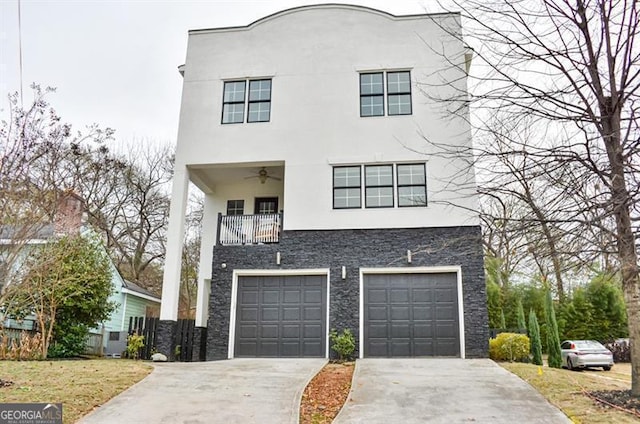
x=411, y=315
x=281, y=316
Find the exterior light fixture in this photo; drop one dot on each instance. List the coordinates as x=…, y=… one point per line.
x=344, y=272
x=408, y=256
x=277, y=258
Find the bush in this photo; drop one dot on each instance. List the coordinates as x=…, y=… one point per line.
x=69, y=340
x=134, y=344
x=343, y=344
x=509, y=347
x=621, y=351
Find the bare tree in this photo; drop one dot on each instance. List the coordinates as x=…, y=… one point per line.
x=571, y=71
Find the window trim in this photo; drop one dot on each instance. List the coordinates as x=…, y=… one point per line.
x=392, y=186
x=398, y=185
x=245, y=102
x=359, y=187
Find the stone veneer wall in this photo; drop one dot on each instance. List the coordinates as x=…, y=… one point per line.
x=356, y=249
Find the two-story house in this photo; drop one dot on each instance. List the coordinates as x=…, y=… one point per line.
x=313, y=134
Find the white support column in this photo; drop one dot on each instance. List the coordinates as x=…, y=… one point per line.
x=175, y=242
x=207, y=241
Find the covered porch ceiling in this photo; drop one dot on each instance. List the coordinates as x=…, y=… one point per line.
x=207, y=176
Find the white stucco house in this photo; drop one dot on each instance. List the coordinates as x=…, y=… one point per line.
x=312, y=133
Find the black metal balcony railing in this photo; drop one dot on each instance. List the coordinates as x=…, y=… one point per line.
x=249, y=229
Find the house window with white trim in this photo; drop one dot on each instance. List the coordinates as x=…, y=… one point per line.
x=397, y=91
x=256, y=102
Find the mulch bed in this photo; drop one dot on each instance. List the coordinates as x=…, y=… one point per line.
x=326, y=393
x=619, y=399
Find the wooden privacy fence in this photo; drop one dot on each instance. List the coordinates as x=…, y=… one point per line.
x=148, y=328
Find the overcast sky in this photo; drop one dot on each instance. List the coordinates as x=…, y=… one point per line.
x=115, y=62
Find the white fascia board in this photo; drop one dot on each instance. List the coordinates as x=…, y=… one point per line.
x=141, y=295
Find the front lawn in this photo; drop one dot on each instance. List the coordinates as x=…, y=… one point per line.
x=80, y=385
x=567, y=390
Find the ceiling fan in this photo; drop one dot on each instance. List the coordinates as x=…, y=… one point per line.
x=263, y=175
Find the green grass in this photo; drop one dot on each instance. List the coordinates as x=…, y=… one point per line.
x=565, y=389
x=80, y=385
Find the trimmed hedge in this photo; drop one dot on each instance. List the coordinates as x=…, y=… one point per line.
x=509, y=347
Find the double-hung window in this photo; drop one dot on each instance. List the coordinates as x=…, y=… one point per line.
x=236, y=98
x=378, y=181
x=346, y=187
x=412, y=185
x=397, y=91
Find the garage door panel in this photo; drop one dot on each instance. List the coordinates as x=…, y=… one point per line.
x=400, y=312
x=423, y=331
x=399, y=295
x=281, y=316
x=422, y=313
x=291, y=331
x=270, y=313
x=250, y=298
x=270, y=297
x=421, y=295
x=401, y=348
x=400, y=330
x=423, y=348
x=377, y=313
x=411, y=315
x=291, y=313
x=377, y=295
x=249, y=314
x=291, y=296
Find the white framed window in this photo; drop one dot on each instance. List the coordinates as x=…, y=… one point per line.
x=378, y=180
x=412, y=184
x=256, y=102
x=397, y=91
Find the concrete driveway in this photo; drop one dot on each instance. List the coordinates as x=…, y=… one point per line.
x=442, y=391
x=265, y=391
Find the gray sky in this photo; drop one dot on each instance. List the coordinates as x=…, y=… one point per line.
x=115, y=62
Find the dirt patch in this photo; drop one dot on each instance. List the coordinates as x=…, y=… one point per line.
x=326, y=393
x=619, y=399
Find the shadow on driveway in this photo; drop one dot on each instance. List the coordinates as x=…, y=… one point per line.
x=420, y=390
x=243, y=391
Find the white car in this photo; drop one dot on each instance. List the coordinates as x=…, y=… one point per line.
x=585, y=354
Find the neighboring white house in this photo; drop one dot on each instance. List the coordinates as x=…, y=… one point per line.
x=312, y=134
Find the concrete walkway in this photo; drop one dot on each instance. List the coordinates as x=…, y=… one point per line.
x=265, y=391
x=442, y=391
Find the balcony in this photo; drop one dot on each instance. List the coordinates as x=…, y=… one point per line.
x=249, y=229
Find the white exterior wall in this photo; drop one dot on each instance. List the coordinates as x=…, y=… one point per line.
x=314, y=56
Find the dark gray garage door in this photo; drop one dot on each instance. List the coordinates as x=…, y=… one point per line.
x=281, y=316
x=411, y=315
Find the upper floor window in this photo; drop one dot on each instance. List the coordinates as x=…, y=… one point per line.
x=412, y=184
x=380, y=188
x=346, y=187
x=235, y=99
x=397, y=92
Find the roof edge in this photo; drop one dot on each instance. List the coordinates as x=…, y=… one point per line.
x=319, y=6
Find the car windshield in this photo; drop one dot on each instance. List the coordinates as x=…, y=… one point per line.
x=588, y=344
